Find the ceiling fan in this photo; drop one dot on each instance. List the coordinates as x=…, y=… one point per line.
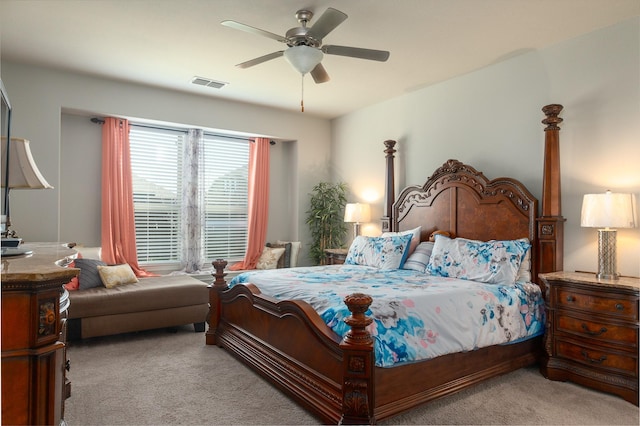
x=306, y=50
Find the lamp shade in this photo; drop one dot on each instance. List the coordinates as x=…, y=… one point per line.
x=608, y=210
x=23, y=172
x=303, y=58
x=357, y=213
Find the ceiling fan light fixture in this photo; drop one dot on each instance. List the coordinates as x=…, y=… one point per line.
x=303, y=58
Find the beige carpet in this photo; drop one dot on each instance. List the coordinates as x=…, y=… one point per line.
x=162, y=378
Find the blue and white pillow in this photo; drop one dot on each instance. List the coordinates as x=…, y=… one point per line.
x=419, y=259
x=494, y=262
x=379, y=252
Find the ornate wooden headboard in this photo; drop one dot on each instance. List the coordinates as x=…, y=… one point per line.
x=461, y=200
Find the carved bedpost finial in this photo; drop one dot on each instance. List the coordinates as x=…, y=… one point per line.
x=219, y=265
x=389, y=144
x=358, y=303
x=552, y=120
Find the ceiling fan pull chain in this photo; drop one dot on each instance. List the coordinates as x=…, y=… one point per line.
x=302, y=96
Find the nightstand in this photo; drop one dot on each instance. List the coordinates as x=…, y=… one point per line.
x=592, y=332
x=336, y=256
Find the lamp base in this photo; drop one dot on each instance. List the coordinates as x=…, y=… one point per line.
x=607, y=276
x=607, y=261
x=356, y=229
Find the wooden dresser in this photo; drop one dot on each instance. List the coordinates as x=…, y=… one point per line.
x=592, y=332
x=34, y=360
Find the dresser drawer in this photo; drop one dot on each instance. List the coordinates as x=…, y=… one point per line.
x=592, y=302
x=600, y=358
x=597, y=330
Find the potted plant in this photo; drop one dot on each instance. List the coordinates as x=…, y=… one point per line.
x=325, y=218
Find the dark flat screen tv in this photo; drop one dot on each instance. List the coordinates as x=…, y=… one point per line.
x=5, y=133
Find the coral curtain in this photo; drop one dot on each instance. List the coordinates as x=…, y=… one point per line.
x=192, y=202
x=258, y=211
x=118, y=229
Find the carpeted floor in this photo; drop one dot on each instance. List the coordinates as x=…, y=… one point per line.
x=162, y=378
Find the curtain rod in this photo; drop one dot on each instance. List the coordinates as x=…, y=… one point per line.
x=97, y=120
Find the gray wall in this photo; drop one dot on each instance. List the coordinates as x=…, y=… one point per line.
x=51, y=109
x=490, y=119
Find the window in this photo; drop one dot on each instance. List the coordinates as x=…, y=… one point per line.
x=158, y=166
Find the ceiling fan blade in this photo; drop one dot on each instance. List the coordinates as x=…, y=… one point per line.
x=253, y=30
x=319, y=74
x=326, y=23
x=261, y=59
x=356, y=52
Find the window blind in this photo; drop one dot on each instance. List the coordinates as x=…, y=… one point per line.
x=225, y=177
x=156, y=165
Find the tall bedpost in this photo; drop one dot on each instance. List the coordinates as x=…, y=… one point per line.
x=389, y=186
x=358, y=364
x=551, y=222
x=218, y=285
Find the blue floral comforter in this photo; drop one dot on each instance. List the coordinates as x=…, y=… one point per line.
x=416, y=316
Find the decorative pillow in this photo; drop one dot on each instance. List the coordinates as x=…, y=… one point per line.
x=285, y=259
x=495, y=262
x=415, y=237
x=269, y=258
x=379, y=252
x=295, y=250
x=89, y=276
x=419, y=259
x=116, y=275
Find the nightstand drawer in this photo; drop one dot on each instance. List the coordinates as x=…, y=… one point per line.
x=620, y=307
x=605, y=332
x=613, y=361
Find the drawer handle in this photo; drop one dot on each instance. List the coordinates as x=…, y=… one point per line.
x=620, y=306
x=593, y=360
x=571, y=299
x=593, y=333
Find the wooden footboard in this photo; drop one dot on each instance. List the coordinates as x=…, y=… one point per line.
x=289, y=345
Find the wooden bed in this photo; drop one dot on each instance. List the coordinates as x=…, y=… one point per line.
x=336, y=379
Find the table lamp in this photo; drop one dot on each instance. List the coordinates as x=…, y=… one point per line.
x=357, y=213
x=606, y=212
x=21, y=172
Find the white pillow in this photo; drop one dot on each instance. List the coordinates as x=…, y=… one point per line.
x=419, y=259
x=89, y=252
x=269, y=258
x=295, y=250
x=415, y=237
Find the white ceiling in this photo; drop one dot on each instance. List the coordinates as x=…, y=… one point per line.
x=167, y=42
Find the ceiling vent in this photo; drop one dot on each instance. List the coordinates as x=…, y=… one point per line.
x=201, y=81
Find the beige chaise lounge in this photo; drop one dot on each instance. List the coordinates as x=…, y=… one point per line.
x=157, y=302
